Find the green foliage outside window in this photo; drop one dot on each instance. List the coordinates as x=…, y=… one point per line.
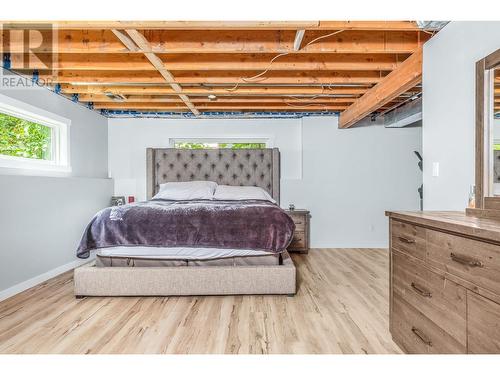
x=26, y=139
x=210, y=145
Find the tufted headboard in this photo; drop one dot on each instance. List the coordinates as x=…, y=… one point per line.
x=244, y=167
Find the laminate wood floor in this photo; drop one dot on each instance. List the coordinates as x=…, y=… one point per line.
x=341, y=307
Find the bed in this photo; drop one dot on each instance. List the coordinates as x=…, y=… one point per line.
x=236, y=247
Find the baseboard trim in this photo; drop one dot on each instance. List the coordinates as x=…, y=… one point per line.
x=25, y=285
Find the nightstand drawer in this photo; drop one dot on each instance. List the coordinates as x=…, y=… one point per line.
x=299, y=241
x=300, y=222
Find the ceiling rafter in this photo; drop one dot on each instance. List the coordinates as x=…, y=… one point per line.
x=215, y=41
x=145, y=47
x=299, y=35
x=223, y=25
x=127, y=42
x=400, y=80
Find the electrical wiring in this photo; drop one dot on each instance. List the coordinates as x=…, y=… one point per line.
x=253, y=78
x=323, y=106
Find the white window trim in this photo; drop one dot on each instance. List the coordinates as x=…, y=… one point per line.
x=60, y=138
x=269, y=141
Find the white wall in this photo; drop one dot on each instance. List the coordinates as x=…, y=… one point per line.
x=129, y=138
x=347, y=178
x=42, y=218
x=448, y=109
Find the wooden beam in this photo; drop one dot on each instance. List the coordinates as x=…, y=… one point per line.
x=214, y=62
x=102, y=98
x=406, y=76
x=220, y=25
x=216, y=77
x=145, y=47
x=216, y=106
x=369, y=25
x=127, y=42
x=219, y=91
x=298, y=39
x=212, y=41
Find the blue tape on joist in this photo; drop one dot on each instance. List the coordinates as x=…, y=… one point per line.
x=6, y=61
x=90, y=105
x=57, y=88
x=74, y=98
x=111, y=113
x=36, y=76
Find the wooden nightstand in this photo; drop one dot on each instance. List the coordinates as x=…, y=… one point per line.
x=300, y=242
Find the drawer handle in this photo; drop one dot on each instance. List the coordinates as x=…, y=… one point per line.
x=421, y=336
x=406, y=240
x=468, y=261
x=420, y=290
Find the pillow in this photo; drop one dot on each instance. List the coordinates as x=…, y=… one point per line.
x=186, y=190
x=237, y=193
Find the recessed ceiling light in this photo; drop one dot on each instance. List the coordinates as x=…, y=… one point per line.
x=212, y=97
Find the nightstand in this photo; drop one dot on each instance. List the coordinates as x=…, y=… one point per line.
x=300, y=242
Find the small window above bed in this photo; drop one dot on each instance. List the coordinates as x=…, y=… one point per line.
x=220, y=143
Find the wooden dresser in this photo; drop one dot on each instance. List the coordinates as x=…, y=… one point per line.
x=300, y=242
x=444, y=282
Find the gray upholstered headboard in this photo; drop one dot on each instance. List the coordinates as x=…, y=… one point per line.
x=245, y=167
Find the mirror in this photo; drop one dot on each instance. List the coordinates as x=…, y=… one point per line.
x=485, y=198
x=493, y=102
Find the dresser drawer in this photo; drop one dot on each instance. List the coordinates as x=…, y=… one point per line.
x=408, y=238
x=483, y=331
x=414, y=333
x=441, y=301
x=475, y=261
x=299, y=241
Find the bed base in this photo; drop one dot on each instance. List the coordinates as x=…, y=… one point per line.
x=185, y=281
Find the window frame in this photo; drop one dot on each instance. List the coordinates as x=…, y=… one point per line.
x=268, y=141
x=60, y=139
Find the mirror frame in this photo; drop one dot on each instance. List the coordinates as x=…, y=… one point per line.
x=482, y=173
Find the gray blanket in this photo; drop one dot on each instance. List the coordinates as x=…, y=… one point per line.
x=249, y=224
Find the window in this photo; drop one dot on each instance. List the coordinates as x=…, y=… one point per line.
x=220, y=143
x=31, y=141
x=25, y=139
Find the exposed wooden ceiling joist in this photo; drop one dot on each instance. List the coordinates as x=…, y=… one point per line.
x=260, y=66
x=207, y=42
x=215, y=77
x=400, y=80
x=222, y=99
x=217, y=106
x=204, y=91
x=220, y=25
x=214, y=62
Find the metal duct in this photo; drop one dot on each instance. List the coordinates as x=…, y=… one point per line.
x=408, y=114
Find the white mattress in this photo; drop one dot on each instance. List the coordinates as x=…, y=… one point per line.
x=176, y=252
